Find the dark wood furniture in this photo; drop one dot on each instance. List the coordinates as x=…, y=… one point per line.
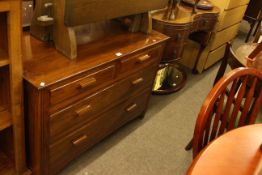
x=253, y=15
x=230, y=59
x=258, y=35
x=229, y=104
x=239, y=58
x=235, y=152
x=233, y=60
x=12, y=148
x=67, y=15
x=180, y=24
x=73, y=104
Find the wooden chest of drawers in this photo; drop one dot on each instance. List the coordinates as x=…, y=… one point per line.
x=72, y=105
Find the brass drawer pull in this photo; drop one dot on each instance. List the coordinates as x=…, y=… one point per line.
x=86, y=83
x=79, y=140
x=137, y=81
x=82, y=111
x=131, y=108
x=144, y=58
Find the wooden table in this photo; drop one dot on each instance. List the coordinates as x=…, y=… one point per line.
x=236, y=152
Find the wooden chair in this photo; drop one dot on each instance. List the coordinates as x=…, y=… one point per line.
x=229, y=104
x=228, y=59
x=231, y=60
x=258, y=35
x=253, y=15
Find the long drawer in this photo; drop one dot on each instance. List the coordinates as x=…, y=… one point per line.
x=215, y=55
x=224, y=36
x=228, y=4
x=87, y=109
x=231, y=17
x=69, y=147
x=235, y=3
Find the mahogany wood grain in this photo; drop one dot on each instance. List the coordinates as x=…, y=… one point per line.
x=139, y=60
x=90, y=82
x=221, y=113
x=235, y=152
x=62, y=118
x=67, y=120
x=85, y=137
x=79, y=12
x=69, y=14
x=182, y=26
x=43, y=63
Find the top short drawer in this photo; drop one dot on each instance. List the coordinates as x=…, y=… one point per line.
x=139, y=60
x=85, y=83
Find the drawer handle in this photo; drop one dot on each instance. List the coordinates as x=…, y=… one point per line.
x=131, y=108
x=83, y=110
x=79, y=140
x=143, y=58
x=86, y=83
x=137, y=81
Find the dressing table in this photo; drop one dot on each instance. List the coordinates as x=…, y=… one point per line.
x=181, y=22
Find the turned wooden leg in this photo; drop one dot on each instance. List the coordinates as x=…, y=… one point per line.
x=250, y=31
x=189, y=145
x=257, y=27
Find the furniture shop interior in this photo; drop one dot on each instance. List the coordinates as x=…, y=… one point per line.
x=124, y=87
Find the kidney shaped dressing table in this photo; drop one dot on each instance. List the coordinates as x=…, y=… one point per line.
x=181, y=22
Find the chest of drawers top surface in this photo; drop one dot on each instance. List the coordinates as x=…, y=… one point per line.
x=43, y=63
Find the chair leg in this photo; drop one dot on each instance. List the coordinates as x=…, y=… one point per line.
x=189, y=145
x=257, y=27
x=250, y=31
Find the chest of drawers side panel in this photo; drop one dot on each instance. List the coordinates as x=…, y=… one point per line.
x=36, y=122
